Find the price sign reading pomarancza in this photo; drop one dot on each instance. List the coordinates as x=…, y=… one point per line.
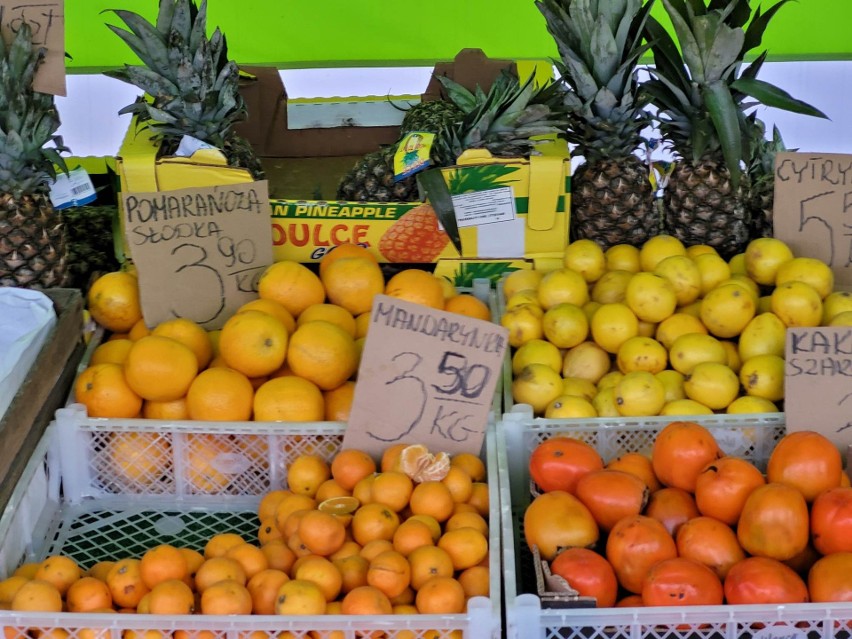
x=426, y=377
x=199, y=252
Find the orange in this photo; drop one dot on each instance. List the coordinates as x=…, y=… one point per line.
x=427, y=562
x=138, y=458
x=411, y=535
x=125, y=583
x=374, y=521
x=366, y=600
x=59, y=570
x=291, y=284
x=323, y=573
x=362, y=323
x=204, y=470
x=353, y=282
x=471, y=464
x=289, y=399
x=171, y=410
x=353, y=571
x=440, y=595
x=392, y=489
x=300, y=597
x=306, y=473
x=467, y=304
x=350, y=466
x=279, y=556
x=171, y=597
x=87, y=594
x=113, y=301
x=476, y=581
x=160, y=368
x=219, y=544
x=250, y=557
x=345, y=251
x=218, y=569
x=113, y=351
x=37, y=595
x=139, y=330
x=263, y=588
x=466, y=547
x=479, y=499
x=104, y=391
x=329, y=490
x=338, y=402
x=271, y=308
x=321, y=532
x=390, y=572
x=253, y=343
x=322, y=353
x=226, y=597
x=417, y=286
x=220, y=394
x=331, y=313
x=161, y=563
x=432, y=498
x=191, y=335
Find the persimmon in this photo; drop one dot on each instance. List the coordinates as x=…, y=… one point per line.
x=559, y=462
x=831, y=521
x=830, y=578
x=774, y=522
x=672, y=507
x=681, y=582
x=723, y=485
x=611, y=494
x=634, y=545
x=589, y=573
x=806, y=460
x=556, y=520
x=762, y=580
x=680, y=451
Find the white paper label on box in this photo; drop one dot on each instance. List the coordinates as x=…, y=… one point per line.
x=505, y=239
x=485, y=207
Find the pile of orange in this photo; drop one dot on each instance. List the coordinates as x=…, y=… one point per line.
x=342, y=539
x=688, y=525
x=292, y=354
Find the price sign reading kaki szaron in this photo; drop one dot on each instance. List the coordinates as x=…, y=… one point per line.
x=426, y=377
x=199, y=252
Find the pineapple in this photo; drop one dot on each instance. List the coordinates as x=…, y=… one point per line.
x=761, y=171
x=33, y=250
x=600, y=43
x=194, y=88
x=700, y=89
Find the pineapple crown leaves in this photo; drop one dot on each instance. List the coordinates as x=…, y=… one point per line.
x=700, y=90
x=29, y=146
x=194, y=88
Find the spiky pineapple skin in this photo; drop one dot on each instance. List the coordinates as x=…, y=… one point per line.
x=414, y=237
x=372, y=180
x=702, y=207
x=612, y=202
x=33, y=251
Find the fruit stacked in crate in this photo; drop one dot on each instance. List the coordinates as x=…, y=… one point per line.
x=686, y=524
x=290, y=355
x=662, y=329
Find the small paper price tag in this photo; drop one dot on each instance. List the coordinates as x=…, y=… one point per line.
x=72, y=189
x=412, y=154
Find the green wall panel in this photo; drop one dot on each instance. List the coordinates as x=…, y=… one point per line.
x=328, y=33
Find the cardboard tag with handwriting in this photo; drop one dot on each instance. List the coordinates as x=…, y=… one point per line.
x=47, y=21
x=426, y=377
x=818, y=382
x=199, y=252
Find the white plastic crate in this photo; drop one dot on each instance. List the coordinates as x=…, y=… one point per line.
x=73, y=500
x=749, y=436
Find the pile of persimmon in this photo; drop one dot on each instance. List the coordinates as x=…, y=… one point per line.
x=689, y=525
x=408, y=537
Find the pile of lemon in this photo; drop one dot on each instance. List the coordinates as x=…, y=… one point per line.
x=663, y=329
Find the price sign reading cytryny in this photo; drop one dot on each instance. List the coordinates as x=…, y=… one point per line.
x=46, y=19
x=199, y=252
x=426, y=377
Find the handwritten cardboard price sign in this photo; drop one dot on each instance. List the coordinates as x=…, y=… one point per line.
x=818, y=382
x=426, y=377
x=47, y=21
x=813, y=208
x=199, y=251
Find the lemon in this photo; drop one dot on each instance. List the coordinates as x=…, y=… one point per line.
x=699, y=249
x=565, y=325
x=693, y=309
x=685, y=407
x=714, y=270
x=658, y=248
x=590, y=308
x=647, y=329
x=841, y=319
x=585, y=257
x=536, y=351
x=836, y=303
x=610, y=380
x=797, y=304
x=763, y=257
x=684, y=277
x=751, y=404
x=808, y=270
x=623, y=257
x=727, y=310
x=523, y=323
x=765, y=334
x=676, y=325
x=713, y=384
x=737, y=264
x=611, y=287
x=642, y=354
x=526, y=296
x=579, y=387
x=764, y=304
x=570, y=406
x=586, y=361
x=639, y=394
x=694, y=348
x=562, y=286
x=651, y=297
x=747, y=284
x=612, y=325
x=672, y=383
x=734, y=361
x=763, y=376
x=520, y=280
x=536, y=385
x=604, y=403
